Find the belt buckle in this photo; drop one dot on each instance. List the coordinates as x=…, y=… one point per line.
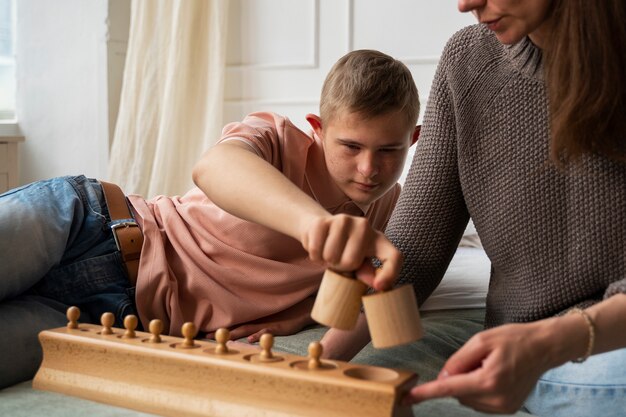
x=116, y=226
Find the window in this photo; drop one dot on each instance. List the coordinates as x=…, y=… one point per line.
x=7, y=60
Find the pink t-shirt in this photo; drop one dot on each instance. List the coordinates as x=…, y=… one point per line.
x=203, y=265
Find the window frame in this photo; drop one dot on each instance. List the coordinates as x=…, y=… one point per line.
x=8, y=124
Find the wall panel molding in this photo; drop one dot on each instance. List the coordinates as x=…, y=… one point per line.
x=288, y=81
x=420, y=60
x=311, y=63
x=350, y=25
x=274, y=102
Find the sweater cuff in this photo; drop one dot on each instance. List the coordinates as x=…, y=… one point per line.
x=617, y=287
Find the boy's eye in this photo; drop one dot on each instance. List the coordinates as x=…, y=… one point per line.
x=351, y=146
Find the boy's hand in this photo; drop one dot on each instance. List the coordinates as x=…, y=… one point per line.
x=347, y=243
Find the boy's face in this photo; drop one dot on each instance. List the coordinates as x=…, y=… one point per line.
x=365, y=157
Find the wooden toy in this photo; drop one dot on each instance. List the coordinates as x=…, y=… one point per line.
x=174, y=376
x=338, y=301
x=156, y=328
x=393, y=317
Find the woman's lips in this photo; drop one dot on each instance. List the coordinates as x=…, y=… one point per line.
x=492, y=24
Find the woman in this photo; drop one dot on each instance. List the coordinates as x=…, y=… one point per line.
x=524, y=132
x=526, y=135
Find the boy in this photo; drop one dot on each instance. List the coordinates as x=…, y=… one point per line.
x=246, y=249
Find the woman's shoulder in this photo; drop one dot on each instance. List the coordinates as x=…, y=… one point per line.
x=468, y=35
x=476, y=49
x=471, y=42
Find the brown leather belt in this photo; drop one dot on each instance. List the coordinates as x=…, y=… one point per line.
x=126, y=232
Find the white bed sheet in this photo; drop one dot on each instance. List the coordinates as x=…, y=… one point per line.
x=465, y=283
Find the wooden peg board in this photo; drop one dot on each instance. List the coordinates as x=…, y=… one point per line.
x=162, y=378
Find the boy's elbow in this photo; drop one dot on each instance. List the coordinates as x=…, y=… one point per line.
x=216, y=160
x=196, y=173
x=200, y=169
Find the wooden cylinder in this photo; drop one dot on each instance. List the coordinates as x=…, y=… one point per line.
x=338, y=301
x=392, y=317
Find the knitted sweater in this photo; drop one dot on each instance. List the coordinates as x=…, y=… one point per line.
x=555, y=237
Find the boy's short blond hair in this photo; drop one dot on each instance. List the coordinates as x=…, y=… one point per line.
x=370, y=83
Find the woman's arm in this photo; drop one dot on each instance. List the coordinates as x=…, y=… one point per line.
x=431, y=215
x=497, y=368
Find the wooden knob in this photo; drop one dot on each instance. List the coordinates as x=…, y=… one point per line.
x=189, y=332
x=73, y=314
x=221, y=336
x=130, y=324
x=107, y=320
x=156, y=328
x=315, y=352
x=266, y=342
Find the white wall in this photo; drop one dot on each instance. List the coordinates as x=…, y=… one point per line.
x=281, y=50
x=63, y=79
x=71, y=54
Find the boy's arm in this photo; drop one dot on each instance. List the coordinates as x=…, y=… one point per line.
x=247, y=186
x=235, y=178
x=345, y=344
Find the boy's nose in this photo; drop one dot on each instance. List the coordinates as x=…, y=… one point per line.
x=367, y=165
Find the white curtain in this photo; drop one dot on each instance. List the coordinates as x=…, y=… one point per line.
x=172, y=95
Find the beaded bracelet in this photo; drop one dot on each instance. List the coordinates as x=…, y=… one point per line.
x=592, y=333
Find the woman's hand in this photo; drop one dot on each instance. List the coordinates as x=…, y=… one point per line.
x=496, y=369
x=347, y=243
x=286, y=322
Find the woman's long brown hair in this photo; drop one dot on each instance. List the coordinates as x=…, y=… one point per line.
x=585, y=60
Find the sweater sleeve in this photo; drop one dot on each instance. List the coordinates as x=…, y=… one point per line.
x=618, y=287
x=430, y=217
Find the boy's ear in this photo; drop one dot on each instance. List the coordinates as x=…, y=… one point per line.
x=316, y=123
x=416, y=134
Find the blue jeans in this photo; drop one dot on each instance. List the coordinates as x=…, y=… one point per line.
x=596, y=387
x=56, y=250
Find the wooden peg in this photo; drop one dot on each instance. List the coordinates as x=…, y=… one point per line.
x=266, y=342
x=315, y=352
x=189, y=332
x=107, y=320
x=266, y=355
x=73, y=314
x=393, y=317
x=130, y=324
x=314, y=362
x=338, y=301
x=156, y=328
x=221, y=336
